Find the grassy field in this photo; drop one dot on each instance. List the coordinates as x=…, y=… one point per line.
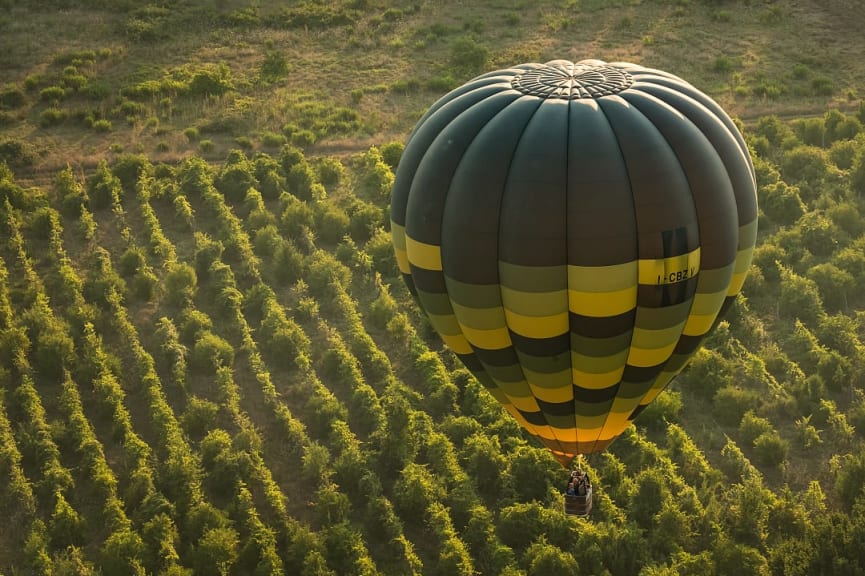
x=81, y=83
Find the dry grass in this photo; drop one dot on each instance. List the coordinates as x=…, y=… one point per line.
x=789, y=57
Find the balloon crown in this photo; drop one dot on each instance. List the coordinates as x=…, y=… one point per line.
x=572, y=80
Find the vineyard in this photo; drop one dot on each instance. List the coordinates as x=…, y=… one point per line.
x=216, y=369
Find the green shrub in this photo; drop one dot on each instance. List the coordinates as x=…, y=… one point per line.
x=753, y=426
x=200, y=417
x=731, y=403
x=662, y=410
x=210, y=352
x=32, y=81
x=52, y=117
x=842, y=153
x=211, y=81
x=245, y=142
x=376, y=176
x=273, y=140
x=130, y=262
x=143, y=284
x=102, y=125
x=770, y=449
x=445, y=82
x=468, y=56
x=274, y=67
x=822, y=86
x=17, y=153
x=299, y=180
x=11, y=97
x=330, y=170
x=331, y=223
x=52, y=94
x=191, y=134
x=289, y=156
x=405, y=86
x=75, y=82
x=180, y=283
x=391, y=153
x=782, y=203
x=266, y=241
x=303, y=138
x=380, y=248
x=365, y=220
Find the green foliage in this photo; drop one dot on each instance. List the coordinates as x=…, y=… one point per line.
x=805, y=164
x=468, y=57
x=123, y=553
x=731, y=402
x=391, y=153
x=211, y=81
x=782, y=203
x=330, y=171
x=331, y=222
x=300, y=179
x=542, y=558
x=274, y=67
x=532, y=473
x=773, y=129
x=770, y=449
x=377, y=178
x=217, y=551
x=103, y=188
x=663, y=410
x=236, y=178
x=16, y=153
x=800, y=298
x=52, y=117
x=209, y=353
x=180, y=283
x=200, y=417
x=753, y=426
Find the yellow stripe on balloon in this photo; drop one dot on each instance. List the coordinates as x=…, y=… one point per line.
x=743, y=263
x=611, y=433
x=422, y=255
x=647, y=357
x=553, y=395
x=617, y=419
x=669, y=270
x=524, y=403
x=602, y=304
x=537, y=326
x=402, y=261
x=495, y=339
x=699, y=324
x=457, y=343
x=597, y=381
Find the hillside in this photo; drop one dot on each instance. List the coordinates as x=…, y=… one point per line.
x=210, y=365
x=86, y=79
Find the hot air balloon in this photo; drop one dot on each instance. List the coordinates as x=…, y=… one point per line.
x=573, y=230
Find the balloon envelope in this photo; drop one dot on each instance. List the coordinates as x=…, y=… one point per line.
x=573, y=231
